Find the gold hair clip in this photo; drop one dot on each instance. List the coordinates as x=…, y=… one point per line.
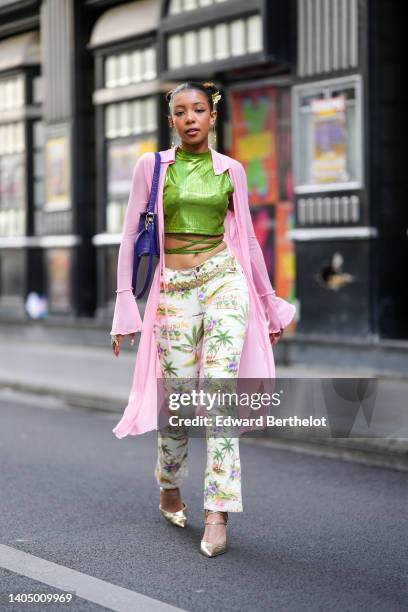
x=216, y=97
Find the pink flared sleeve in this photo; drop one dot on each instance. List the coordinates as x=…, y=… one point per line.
x=279, y=312
x=126, y=317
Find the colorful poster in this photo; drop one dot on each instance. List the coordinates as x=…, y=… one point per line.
x=329, y=146
x=59, y=279
x=285, y=143
x=285, y=267
x=58, y=174
x=121, y=160
x=263, y=218
x=253, y=140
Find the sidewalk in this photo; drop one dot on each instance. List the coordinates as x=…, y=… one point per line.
x=93, y=378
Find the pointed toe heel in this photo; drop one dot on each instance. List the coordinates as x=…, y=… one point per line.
x=212, y=550
x=208, y=549
x=179, y=518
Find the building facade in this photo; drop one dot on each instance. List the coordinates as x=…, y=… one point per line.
x=309, y=106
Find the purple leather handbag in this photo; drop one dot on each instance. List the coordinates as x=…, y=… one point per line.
x=146, y=243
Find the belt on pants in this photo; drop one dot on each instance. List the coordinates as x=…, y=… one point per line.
x=229, y=263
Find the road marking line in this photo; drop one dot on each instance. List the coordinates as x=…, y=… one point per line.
x=87, y=587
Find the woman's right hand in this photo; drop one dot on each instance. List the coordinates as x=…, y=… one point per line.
x=119, y=339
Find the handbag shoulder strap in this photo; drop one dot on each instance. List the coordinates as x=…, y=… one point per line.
x=155, y=183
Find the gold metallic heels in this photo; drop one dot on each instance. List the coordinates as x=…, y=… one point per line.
x=207, y=548
x=179, y=518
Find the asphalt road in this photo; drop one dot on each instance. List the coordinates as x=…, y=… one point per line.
x=316, y=534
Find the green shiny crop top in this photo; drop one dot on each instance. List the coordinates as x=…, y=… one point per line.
x=195, y=200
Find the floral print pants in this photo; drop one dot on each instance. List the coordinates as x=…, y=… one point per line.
x=207, y=327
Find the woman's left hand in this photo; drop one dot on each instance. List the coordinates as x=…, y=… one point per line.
x=276, y=336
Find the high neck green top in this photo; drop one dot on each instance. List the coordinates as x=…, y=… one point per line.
x=195, y=200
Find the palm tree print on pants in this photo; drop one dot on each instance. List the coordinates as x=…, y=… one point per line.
x=207, y=325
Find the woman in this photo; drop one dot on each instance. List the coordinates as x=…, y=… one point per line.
x=211, y=310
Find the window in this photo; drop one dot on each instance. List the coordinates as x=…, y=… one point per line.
x=38, y=90
x=221, y=41
x=175, y=51
x=131, y=117
x=179, y=6
x=237, y=29
x=130, y=130
x=191, y=48
x=12, y=181
x=131, y=67
x=218, y=42
x=12, y=93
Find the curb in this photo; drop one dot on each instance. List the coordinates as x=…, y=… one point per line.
x=378, y=452
x=391, y=453
x=75, y=400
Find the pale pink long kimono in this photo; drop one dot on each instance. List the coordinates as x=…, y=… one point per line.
x=267, y=312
